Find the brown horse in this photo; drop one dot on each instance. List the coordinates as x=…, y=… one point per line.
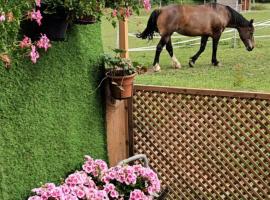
x=208, y=20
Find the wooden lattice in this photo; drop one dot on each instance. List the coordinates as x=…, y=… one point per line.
x=204, y=144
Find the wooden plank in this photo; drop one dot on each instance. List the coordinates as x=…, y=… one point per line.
x=209, y=92
x=117, y=129
x=123, y=37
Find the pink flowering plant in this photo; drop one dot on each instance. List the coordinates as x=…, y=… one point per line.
x=124, y=9
x=13, y=46
x=98, y=182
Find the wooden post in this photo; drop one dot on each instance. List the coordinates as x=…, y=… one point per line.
x=117, y=116
x=117, y=130
x=123, y=37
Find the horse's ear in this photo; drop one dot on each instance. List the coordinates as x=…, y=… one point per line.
x=251, y=22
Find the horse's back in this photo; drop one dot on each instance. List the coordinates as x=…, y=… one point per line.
x=192, y=20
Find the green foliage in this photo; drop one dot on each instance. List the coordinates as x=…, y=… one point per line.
x=117, y=65
x=14, y=12
x=50, y=116
x=75, y=8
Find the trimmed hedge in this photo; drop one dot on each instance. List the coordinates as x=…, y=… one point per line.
x=50, y=116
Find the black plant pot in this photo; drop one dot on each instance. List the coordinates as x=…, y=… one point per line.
x=54, y=27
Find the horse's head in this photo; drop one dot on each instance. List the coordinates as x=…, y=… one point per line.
x=246, y=35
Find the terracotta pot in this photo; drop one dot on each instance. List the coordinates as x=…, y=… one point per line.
x=121, y=86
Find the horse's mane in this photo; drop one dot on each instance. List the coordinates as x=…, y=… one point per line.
x=236, y=18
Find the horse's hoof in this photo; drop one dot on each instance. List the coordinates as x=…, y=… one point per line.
x=191, y=63
x=216, y=64
x=175, y=63
x=156, y=68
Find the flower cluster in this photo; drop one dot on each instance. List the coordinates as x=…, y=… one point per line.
x=97, y=182
x=126, y=9
x=43, y=42
x=10, y=25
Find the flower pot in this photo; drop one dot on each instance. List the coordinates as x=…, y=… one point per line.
x=54, y=27
x=121, y=86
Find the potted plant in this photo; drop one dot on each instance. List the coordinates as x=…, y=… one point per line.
x=98, y=182
x=121, y=73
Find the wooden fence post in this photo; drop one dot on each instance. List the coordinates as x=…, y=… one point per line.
x=117, y=112
x=123, y=37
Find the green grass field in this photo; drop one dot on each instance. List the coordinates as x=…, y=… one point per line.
x=240, y=70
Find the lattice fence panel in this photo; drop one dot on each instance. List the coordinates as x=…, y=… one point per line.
x=205, y=144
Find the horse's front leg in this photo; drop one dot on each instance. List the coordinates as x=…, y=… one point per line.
x=193, y=59
x=175, y=63
x=214, y=53
x=163, y=41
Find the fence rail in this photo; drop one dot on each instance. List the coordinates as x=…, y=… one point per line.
x=205, y=144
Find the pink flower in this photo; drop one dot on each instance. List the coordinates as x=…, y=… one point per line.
x=147, y=5
x=34, y=54
x=26, y=42
x=44, y=42
x=35, y=198
x=2, y=17
x=38, y=3
x=137, y=195
x=128, y=12
x=36, y=15
x=114, y=13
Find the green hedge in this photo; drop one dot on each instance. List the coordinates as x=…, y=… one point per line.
x=49, y=115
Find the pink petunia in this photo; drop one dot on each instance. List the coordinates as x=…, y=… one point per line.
x=44, y=42
x=2, y=17
x=114, y=13
x=26, y=42
x=147, y=5
x=36, y=15
x=128, y=12
x=34, y=55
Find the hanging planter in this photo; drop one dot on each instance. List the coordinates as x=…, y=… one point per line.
x=121, y=86
x=121, y=73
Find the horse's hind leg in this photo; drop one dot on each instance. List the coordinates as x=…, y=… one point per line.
x=214, y=53
x=175, y=62
x=202, y=48
x=163, y=41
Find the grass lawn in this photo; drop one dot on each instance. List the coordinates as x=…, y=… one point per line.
x=240, y=70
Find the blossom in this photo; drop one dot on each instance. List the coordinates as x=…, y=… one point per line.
x=128, y=12
x=38, y=3
x=26, y=42
x=44, y=42
x=137, y=195
x=114, y=13
x=34, y=54
x=147, y=5
x=2, y=17
x=36, y=15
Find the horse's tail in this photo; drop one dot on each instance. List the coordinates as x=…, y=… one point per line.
x=151, y=27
